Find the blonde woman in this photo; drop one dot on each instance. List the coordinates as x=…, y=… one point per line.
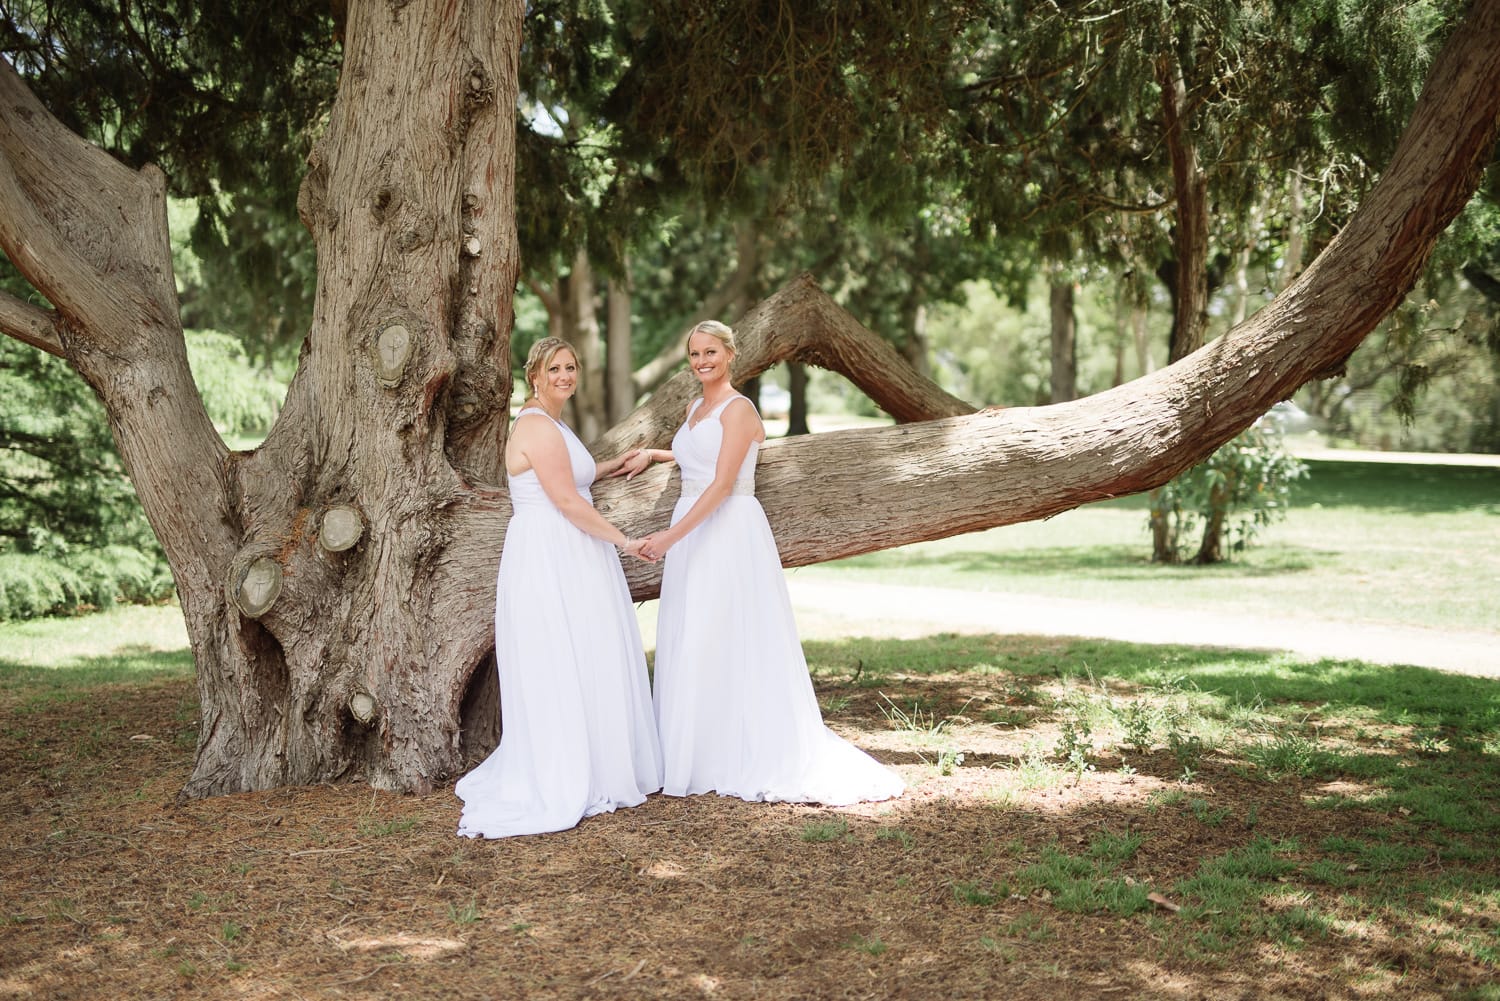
x=577, y=732
x=734, y=705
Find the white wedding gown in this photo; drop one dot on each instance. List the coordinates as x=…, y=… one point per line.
x=734, y=704
x=577, y=734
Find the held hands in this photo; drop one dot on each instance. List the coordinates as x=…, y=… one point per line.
x=638, y=548
x=655, y=546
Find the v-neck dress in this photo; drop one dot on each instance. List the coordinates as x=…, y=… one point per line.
x=734, y=704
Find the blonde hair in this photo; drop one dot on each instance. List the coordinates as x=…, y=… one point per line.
x=540, y=357
x=713, y=328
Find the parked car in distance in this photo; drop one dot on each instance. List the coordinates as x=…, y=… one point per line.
x=1287, y=417
x=774, y=401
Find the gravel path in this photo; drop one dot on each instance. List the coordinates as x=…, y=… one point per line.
x=828, y=609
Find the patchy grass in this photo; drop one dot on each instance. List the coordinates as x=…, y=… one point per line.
x=1248, y=825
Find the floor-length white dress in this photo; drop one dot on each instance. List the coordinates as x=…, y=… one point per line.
x=734, y=704
x=577, y=733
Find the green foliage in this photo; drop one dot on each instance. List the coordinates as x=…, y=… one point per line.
x=225, y=96
x=1428, y=377
x=33, y=585
x=1242, y=488
x=721, y=97
x=62, y=486
x=240, y=399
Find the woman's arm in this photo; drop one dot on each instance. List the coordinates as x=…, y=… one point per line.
x=741, y=426
x=637, y=461
x=543, y=446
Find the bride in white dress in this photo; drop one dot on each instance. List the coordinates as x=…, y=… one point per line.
x=577, y=734
x=734, y=704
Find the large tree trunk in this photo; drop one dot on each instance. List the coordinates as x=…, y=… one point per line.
x=1249, y=239
x=1186, y=274
x=331, y=636
x=796, y=415
x=589, y=409
x=1189, y=263
x=369, y=661
x=573, y=315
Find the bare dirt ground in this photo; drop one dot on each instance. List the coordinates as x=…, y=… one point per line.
x=110, y=889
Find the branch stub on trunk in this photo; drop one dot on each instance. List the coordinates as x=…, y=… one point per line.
x=341, y=528
x=363, y=707
x=258, y=587
x=472, y=247
x=465, y=406
x=392, y=350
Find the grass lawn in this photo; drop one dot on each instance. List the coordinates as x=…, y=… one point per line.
x=1082, y=818
x=1415, y=545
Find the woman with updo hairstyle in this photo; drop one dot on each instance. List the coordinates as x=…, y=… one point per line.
x=577, y=730
x=735, y=707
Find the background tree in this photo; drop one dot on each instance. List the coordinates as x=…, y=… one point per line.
x=337, y=581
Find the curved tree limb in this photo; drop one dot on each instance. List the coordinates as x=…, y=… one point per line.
x=799, y=323
x=85, y=258
x=849, y=492
x=30, y=324
x=90, y=234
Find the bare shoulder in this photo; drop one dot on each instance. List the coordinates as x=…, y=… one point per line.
x=533, y=424
x=533, y=435
x=742, y=417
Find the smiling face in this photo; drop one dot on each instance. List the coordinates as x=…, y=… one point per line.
x=708, y=357
x=558, y=379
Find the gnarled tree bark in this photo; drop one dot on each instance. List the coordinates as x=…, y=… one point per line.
x=370, y=661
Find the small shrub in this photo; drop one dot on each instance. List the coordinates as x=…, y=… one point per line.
x=1243, y=487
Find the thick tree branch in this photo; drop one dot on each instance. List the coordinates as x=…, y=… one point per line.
x=799, y=323
x=85, y=258
x=90, y=235
x=849, y=492
x=30, y=324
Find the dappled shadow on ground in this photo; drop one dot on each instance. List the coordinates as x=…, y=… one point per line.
x=1237, y=674
x=1005, y=871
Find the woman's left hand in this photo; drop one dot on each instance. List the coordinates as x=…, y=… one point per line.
x=655, y=546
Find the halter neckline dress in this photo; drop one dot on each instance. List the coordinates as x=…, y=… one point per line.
x=577, y=733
